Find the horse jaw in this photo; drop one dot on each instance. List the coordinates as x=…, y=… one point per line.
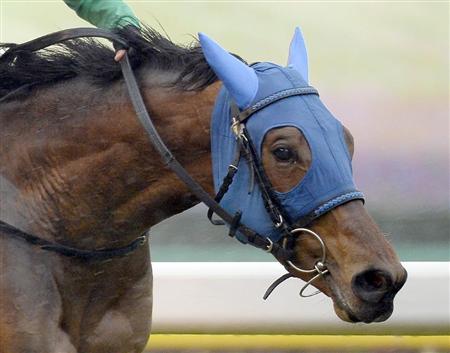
x=357, y=249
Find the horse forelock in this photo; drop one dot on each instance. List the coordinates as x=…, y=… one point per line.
x=93, y=61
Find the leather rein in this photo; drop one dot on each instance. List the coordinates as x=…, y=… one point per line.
x=282, y=250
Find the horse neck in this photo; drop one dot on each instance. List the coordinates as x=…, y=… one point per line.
x=93, y=170
x=183, y=121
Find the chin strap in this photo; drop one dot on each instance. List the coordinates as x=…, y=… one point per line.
x=319, y=270
x=275, y=284
x=278, y=281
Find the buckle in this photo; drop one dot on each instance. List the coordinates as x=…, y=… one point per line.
x=270, y=246
x=279, y=223
x=237, y=128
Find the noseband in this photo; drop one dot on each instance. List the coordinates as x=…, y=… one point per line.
x=282, y=250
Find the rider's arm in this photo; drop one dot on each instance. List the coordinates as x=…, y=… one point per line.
x=105, y=14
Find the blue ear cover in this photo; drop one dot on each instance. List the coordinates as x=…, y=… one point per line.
x=239, y=79
x=298, y=56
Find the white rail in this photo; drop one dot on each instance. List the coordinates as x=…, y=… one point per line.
x=227, y=297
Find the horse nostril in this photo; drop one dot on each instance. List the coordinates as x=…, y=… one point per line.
x=372, y=285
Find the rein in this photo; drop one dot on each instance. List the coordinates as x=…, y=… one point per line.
x=281, y=250
x=88, y=255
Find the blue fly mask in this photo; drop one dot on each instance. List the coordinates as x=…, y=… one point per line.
x=276, y=96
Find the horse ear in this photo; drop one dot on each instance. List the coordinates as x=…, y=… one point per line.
x=240, y=79
x=298, y=57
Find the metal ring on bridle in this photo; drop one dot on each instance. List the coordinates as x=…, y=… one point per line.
x=279, y=223
x=270, y=246
x=319, y=267
x=322, y=245
x=307, y=284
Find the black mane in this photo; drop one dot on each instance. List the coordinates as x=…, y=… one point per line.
x=94, y=61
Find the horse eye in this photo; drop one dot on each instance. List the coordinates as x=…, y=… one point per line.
x=283, y=154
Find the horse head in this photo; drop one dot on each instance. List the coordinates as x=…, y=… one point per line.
x=302, y=165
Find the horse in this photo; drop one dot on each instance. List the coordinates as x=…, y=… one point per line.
x=78, y=170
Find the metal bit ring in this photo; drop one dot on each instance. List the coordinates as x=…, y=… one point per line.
x=322, y=245
x=307, y=284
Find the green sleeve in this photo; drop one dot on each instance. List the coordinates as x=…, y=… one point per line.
x=105, y=14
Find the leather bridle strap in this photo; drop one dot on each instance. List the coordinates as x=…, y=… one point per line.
x=62, y=36
x=169, y=160
x=299, y=91
x=271, y=203
x=97, y=255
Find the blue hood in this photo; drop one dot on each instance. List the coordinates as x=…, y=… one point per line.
x=328, y=182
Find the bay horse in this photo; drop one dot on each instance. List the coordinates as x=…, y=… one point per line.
x=78, y=170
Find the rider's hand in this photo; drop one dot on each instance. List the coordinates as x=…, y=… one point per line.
x=120, y=54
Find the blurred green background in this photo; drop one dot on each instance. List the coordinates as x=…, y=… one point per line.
x=381, y=67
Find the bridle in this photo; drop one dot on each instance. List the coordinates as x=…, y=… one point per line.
x=278, y=215
x=282, y=250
